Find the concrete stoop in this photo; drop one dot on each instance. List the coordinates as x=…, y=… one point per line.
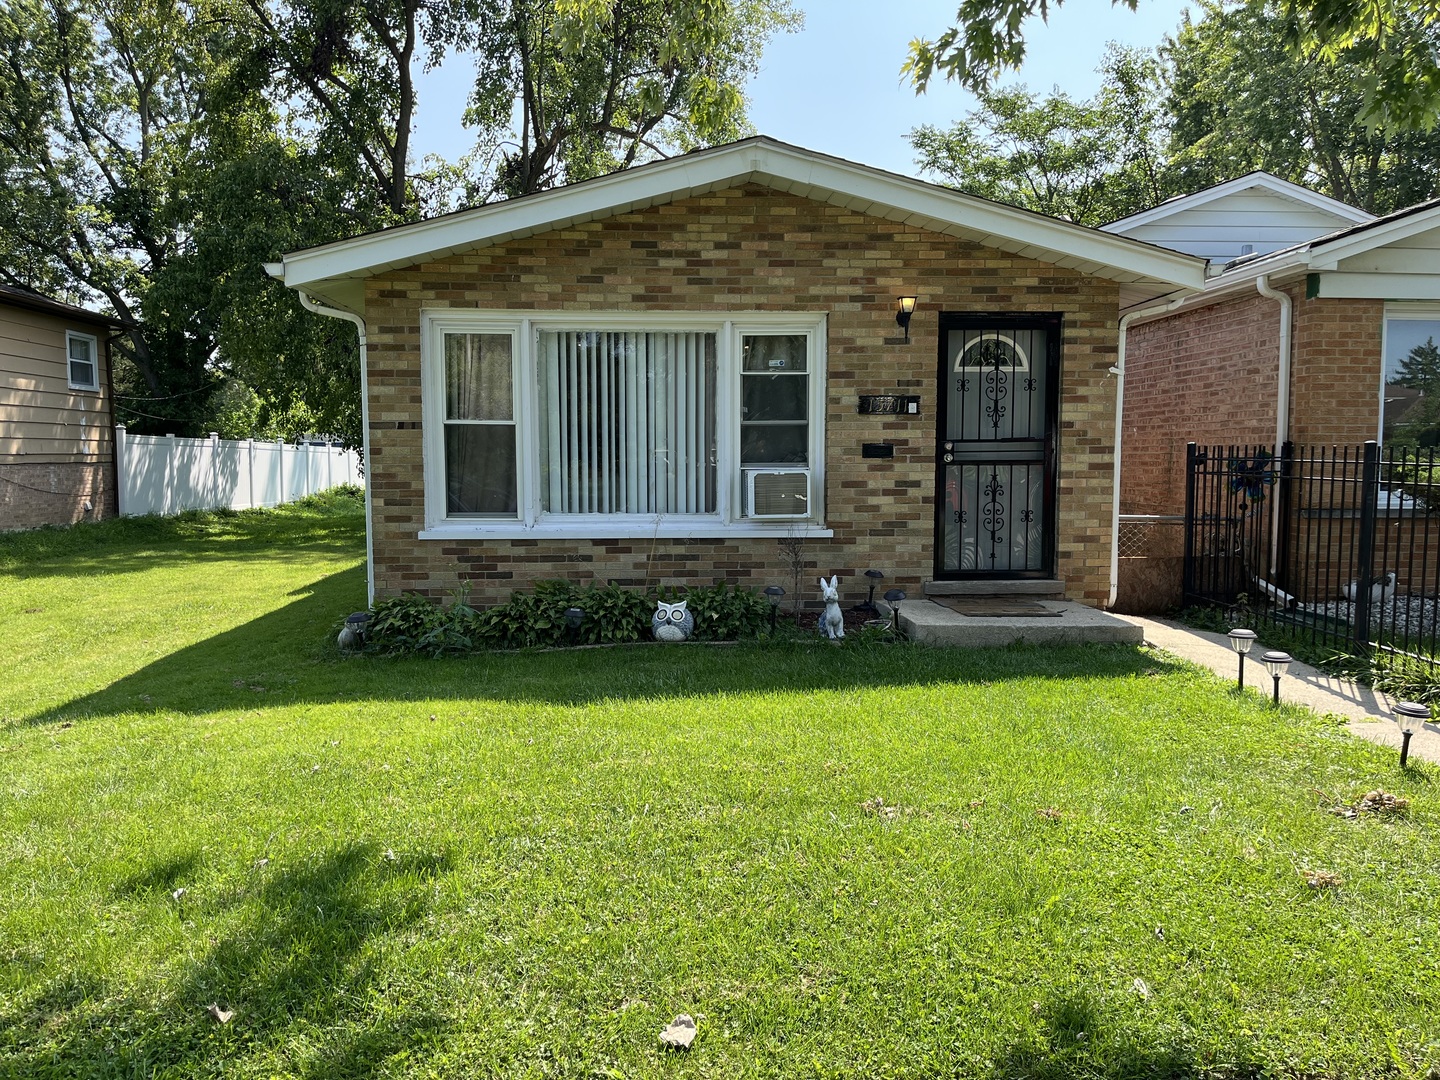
x=929, y=623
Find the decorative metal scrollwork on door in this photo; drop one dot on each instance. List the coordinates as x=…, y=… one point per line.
x=993, y=446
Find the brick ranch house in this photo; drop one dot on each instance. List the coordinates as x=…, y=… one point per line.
x=1295, y=341
x=57, y=425
x=657, y=375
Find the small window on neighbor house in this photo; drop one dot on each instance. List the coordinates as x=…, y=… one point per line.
x=480, y=452
x=84, y=371
x=1410, y=410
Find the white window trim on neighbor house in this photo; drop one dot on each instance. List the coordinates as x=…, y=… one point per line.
x=94, y=345
x=1398, y=311
x=531, y=522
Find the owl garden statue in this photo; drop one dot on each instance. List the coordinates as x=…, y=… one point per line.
x=671, y=622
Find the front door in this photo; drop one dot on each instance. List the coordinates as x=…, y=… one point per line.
x=995, y=459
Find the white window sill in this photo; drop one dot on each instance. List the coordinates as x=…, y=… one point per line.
x=617, y=530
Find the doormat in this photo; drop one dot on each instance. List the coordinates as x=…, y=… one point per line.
x=996, y=607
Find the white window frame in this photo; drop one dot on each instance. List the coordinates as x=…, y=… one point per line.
x=1409, y=311
x=94, y=343
x=532, y=522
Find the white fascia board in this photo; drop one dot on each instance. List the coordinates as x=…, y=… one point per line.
x=827, y=179
x=1329, y=255
x=1010, y=229
x=1263, y=180
x=1378, y=286
x=1238, y=282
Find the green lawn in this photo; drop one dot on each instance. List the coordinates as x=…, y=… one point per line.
x=1082, y=862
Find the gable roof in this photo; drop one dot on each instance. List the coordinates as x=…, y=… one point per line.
x=335, y=272
x=1257, y=180
x=1395, y=257
x=30, y=300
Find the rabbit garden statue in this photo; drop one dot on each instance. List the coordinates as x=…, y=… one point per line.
x=832, y=622
x=671, y=622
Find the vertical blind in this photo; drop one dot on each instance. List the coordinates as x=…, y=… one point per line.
x=627, y=422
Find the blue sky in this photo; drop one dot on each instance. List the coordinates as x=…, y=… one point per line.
x=835, y=85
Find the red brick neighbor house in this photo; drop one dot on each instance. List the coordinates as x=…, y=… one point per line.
x=1306, y=341
x=659, y=375
x=57, y=425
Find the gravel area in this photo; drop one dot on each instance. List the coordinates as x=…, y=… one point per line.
x=1416, y=615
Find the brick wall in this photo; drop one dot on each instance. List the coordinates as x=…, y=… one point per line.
x=1335, y=388
x=1207, y=376
x=32, y=495
x=754, y=249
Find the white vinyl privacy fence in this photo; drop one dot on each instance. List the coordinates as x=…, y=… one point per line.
x=162, y=474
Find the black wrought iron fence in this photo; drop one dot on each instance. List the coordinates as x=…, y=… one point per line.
x=1340, y=544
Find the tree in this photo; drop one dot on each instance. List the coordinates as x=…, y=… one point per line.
x=1394, y=39
x=1088, y=161
x=1227, y=72
x=1200, y=110
x=100, y=114
x=599, y=85
x=156, y=152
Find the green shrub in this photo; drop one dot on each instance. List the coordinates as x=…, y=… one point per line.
x=536, y=619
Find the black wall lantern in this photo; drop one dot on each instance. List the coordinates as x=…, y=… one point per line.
x=905, y=307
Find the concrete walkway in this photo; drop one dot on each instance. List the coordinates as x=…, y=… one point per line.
x=1367, y=713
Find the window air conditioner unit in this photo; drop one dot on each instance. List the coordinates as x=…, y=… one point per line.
x=777, y=493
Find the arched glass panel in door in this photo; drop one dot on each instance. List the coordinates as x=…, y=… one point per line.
x=995, y=450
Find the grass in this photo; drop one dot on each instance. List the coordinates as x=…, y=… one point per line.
x=862, y=861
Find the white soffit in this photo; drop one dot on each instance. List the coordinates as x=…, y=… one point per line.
x=335, y=272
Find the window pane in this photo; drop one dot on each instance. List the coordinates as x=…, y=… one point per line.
x=775, y=397
x=478, y=380
x=79, y=349
x=775, y=352
x=774, y=444
x=82, y=374
x=1412, y=382
x=480, y=469
x=627, y=422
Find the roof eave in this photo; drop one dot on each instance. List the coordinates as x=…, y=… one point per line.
x=763, y=161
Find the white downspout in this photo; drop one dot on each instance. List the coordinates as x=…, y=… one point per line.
x=1119, y=372
x=336, y=313
x=1282, y=404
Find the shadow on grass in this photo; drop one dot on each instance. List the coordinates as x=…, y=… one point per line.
x=1076, y=1037
x=289, y=956
x=288, y=656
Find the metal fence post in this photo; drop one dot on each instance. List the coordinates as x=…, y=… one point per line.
x=1369, y=499
x=1187, y=573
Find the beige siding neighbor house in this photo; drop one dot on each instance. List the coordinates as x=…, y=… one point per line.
x=57, y=426
x=657, y=376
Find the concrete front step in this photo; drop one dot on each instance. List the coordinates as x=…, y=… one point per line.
x=1027, y=587
x=933, y=624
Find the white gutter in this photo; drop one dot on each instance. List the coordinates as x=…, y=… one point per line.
x=1119, y=372
x=336, y=313
x=1282, y=404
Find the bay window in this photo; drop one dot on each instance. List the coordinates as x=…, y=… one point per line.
x=615, y=425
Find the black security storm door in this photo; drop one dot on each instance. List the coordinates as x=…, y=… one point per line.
x=995, y=459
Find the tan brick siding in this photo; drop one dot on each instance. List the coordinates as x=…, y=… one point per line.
x=754, y=249
x=55, y=494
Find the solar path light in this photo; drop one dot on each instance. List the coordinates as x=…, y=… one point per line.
x=1276, y=663
x=1411, y=716
x=1240, y=641
x=773, y=593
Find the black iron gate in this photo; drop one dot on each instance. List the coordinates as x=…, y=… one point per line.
x=1339, y=543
